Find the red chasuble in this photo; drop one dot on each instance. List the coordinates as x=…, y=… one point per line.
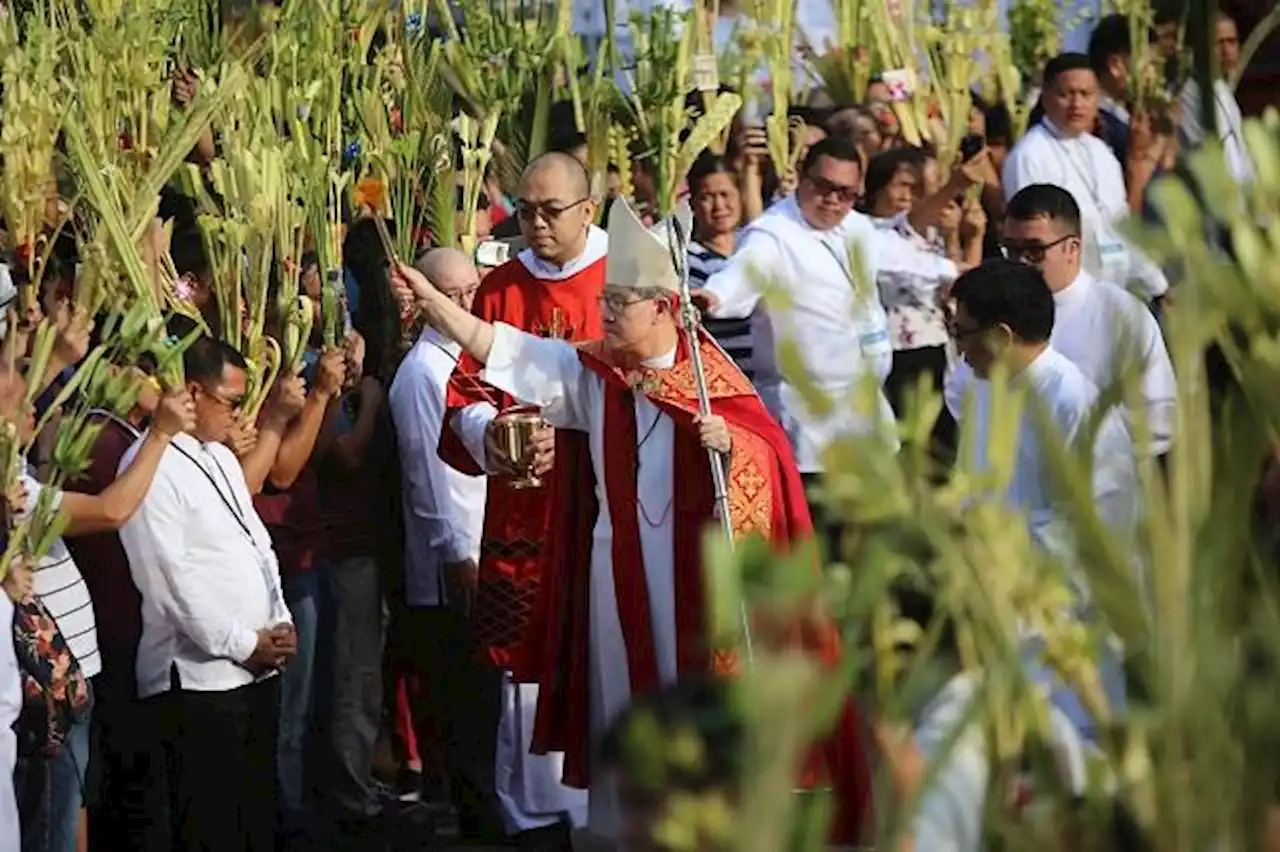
x=513, y=549
x=766, y=498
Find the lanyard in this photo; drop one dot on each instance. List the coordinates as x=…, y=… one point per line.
x=1090, y=185
x=233, y=506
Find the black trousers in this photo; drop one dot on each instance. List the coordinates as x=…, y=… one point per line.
x=128, y=797
x=222, y=754
x=458, y=703
x=908, y=366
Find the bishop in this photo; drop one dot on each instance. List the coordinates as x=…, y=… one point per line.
x=630, y=618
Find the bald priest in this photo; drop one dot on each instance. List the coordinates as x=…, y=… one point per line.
x=636, y=621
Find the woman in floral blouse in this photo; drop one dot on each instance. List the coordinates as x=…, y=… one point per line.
x=903, y=196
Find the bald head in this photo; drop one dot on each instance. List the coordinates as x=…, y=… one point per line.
x=558, y=168
x=452, y=273
x=555, y=208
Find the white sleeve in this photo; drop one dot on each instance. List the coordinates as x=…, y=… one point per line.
x=1191, y=130
x=154, y=541
x=470, y=425
x=1159, y=386
x=419, y=415
x=737, y=286
x=1024, y=168
x=896, y=255
x=955, y=385
x=542, y=371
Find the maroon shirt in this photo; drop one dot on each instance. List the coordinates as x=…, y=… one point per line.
x=357, y=509
x=117, y=606
x=291, y=515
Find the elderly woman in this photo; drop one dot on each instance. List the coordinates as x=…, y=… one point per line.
x=904, y=198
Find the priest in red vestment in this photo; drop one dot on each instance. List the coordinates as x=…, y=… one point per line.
x=551, y=289
x=624, y=595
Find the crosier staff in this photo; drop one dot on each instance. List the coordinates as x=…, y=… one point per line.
x=678, y=242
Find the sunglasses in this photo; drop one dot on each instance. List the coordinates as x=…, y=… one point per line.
x=1032, y=252
x=845, y=193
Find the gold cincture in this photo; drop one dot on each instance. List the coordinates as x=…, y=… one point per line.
x=515, y=439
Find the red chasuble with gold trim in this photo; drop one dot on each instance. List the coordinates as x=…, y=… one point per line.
x=513, y=548
x=766, y=498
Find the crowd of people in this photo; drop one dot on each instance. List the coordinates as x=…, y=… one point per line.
x=282, y=633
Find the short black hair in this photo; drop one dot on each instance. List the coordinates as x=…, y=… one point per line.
x=1045, y=201
x=207, y=358
x=999, y=125
x=835, y=147
x=884, y=166
x=1109, y=38
x=1061, y=64
x=187, y=250
x=709, y=163
x=1010, y=293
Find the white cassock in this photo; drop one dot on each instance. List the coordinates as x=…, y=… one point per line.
x=1230, y=124
x=528, y=785
x=1084, y=166
x=1100, y=327
x=548, y=373
x=1069, y=399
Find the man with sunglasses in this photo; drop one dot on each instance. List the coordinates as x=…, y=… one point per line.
x=822, y=257
x=1103, y=329
x=215, y=627
x=550, y=289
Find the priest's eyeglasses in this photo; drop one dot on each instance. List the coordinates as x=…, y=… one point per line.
x=529, y=211
x=617, y=303
x=1032, y=252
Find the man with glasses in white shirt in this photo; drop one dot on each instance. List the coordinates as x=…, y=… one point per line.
x=215, y=629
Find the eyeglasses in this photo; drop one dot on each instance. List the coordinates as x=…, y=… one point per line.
x=460, y=295
x=845, y=193
x=617, y=303
x=232, y=404
x=529, y=211
x=1032, y=252
x=961, y=333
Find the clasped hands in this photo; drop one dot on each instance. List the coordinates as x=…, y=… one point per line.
x=276, y=646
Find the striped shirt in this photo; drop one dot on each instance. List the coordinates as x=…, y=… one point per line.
x=60, y=587
x=734, y=335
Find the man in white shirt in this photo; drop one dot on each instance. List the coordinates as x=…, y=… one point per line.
x=1104, y=330
x=1228, y=118
x=215, y=628
x=1004, y=315
x=1062, y=150
x=821, y=260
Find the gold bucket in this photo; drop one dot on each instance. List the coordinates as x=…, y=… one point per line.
x=515, y=438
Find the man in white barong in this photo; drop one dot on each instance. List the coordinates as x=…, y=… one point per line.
x=1101, y=328
x=1062, y=150
x=823, y=259
x=637, y=619
x=1230, y=123
x=1004, y=314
